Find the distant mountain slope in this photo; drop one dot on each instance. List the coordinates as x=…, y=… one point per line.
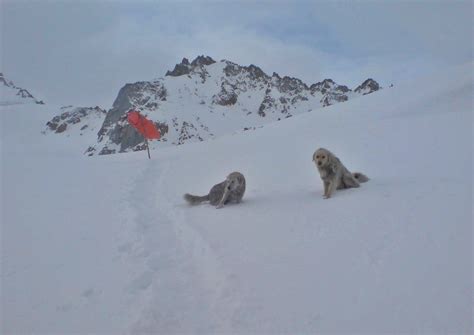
x=203, y=99
x=10, y=94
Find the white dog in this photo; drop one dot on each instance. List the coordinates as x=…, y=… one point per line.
x=334, y=174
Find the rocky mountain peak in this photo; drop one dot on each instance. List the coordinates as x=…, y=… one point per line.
x=288, y=84
x=252, y=72
x=185, y=67
x=367, y=87
x=202, y=60
x=255, y=72
x=322, y=86
x=328, y=82
x=328, y=85
x=213, y=101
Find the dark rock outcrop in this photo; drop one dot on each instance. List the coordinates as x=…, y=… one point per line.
x=185, y=67
x=73, y=115
x=367, y=87
x=180, y=69
x=225, y=97
x=137, y=95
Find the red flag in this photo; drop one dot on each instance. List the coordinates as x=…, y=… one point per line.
x=143, y=125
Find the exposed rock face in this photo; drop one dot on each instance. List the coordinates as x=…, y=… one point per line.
x=267, y=104
x=146, y=95
x=225, y=98
x=187, y=132
x=185, y=67
x=203, y=98
x=367, y=87
x=292, y=85
x=69, y=116
x=62, y=127
x=331, y=98
x=332, y=92
x=180, y=69
x=202, y=60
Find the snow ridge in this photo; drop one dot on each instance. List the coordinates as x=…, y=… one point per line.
x=10, y=94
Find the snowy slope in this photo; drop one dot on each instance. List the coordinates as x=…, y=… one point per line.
x=107, y=244
x=76, y=124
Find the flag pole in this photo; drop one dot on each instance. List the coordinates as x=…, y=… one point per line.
x=147, y=148
x=146, y=140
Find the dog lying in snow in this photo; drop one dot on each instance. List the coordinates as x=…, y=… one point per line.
x=232, y=189
x=334, y=174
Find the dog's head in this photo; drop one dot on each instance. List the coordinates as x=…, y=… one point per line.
x=322, y=157
x=234, y=181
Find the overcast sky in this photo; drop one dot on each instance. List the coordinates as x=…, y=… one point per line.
x=83, y=52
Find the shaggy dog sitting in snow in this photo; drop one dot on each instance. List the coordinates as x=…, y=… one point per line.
x=232, y=189
x=334, y=174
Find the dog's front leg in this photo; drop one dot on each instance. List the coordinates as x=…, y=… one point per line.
x=224, y=198
x=330, y=189
x=332, y=186
x=326, y=185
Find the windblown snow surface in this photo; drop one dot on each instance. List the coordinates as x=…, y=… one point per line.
x=107, y=245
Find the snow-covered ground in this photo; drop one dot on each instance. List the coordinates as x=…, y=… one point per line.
x=107, y=245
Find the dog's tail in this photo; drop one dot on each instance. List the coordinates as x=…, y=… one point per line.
x=360, y=177
x=195, y=199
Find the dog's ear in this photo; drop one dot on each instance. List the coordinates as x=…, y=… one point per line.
x=314, y=156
